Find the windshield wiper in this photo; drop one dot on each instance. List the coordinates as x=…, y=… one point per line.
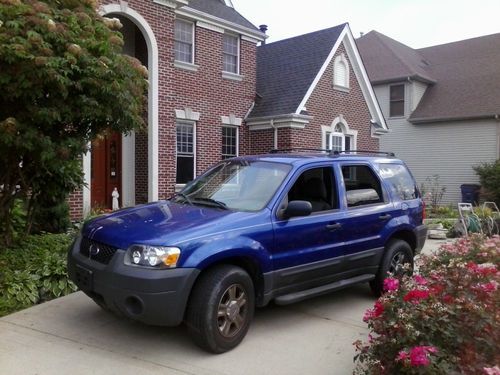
x=211, y=202
x=185, y=197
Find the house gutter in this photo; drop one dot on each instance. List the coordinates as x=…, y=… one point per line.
x=422, y=120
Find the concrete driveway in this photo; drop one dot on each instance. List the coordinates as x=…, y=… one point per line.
x=73, y=335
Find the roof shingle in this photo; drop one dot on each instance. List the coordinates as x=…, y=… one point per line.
x=287, y=68
x=466, y=75
x=219, y=9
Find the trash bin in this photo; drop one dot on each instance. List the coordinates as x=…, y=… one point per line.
x=470, y=193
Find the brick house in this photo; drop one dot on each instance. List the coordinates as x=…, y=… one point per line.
x=205, y=104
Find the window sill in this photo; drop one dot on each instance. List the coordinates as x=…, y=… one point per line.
x=232, y=76
x=396, y=117
x=186, y=66
x=341, y=88
x=179, y=187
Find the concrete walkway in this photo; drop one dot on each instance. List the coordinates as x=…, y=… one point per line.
x=72, y=335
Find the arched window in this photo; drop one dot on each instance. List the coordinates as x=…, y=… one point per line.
x=338, y=136
x=341, y=72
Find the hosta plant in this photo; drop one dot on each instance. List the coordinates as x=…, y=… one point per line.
x=443, y=320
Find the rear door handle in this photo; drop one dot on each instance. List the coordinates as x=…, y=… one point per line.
x=385, y=217
x=333, y=227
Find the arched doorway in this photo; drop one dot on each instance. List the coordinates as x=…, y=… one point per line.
x=137, y=153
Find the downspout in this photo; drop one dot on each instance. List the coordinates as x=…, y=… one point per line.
x=497, y=119
x=275, y=135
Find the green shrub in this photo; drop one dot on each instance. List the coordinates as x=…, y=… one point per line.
x=34, y=271
x=441, y=321
x=489, y=175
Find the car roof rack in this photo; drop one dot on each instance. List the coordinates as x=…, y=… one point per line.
x=332, y=153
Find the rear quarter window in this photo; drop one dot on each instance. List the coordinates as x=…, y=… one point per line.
x=399, y=181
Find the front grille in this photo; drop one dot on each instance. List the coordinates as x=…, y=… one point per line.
x=97, y=251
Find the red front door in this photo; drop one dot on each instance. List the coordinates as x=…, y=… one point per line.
x=106, y=172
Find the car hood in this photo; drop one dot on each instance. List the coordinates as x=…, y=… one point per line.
x=161, y=223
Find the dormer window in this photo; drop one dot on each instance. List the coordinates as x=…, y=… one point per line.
x=341, y=72
x=231, y=53
x=184, y=41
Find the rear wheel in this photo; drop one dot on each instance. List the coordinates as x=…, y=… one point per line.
x=221, y=308
x=397, y=260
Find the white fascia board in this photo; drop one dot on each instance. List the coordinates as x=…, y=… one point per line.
x=210, y=26
x=292, y=121
x=362, y=77
x=327, y=62
x=191, y=13
x=172, y=3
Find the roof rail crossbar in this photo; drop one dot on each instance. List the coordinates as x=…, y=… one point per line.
x=298, y=149
x=390, y=154
x=330, y=152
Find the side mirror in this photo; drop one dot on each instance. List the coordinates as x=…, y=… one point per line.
x=297, y=208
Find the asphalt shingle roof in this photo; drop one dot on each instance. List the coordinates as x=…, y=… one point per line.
x=287, y=68
x=219, y=9
x=466, y=75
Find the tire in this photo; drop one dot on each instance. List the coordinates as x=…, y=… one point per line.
x=397, y=253
x=221, y=308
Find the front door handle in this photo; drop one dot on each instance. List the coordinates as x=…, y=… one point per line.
x=385, y=217
x=333, y=227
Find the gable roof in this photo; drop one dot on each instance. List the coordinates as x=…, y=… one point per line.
x=467, y=80
x=219, y=9
x=286, y=70
x=387, y=60
x=465, y=75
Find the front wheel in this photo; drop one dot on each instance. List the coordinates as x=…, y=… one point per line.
x=221, y=308
x=397, y=260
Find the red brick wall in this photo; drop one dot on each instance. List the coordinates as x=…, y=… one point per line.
x=75, y=201
x=326, y=103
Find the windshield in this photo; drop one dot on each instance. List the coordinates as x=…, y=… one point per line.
x=236, y=184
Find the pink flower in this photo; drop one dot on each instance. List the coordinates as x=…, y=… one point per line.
x=420, y=280
x=492, y=370
x=391, y=284
x=419, y=355
x=402, y=356
x=378, y=309
x=415, y=296
x=488, y=287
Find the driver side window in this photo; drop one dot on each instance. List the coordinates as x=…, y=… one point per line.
x=317, y=187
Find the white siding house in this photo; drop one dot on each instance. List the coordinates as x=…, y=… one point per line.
x=435, y=135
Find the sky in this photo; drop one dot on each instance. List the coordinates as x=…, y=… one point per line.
x=416, y=23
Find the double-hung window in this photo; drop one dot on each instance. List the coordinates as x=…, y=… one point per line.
x=229, y=142
x=231, y=49
x=185, y=152
x=397, y=101
x=184, y=41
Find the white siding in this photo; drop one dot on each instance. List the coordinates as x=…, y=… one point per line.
x=448, y=149
x=418, y=91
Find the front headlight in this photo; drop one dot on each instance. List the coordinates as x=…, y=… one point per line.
x=152, y=256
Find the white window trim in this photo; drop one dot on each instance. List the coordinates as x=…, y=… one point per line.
x=347, y=132
x=193, y=40
x=179, y=187
x=237, y=139
x=345, y=85
x=238, y=59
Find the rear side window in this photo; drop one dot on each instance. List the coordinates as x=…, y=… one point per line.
x=399, y=180
x=362, y=185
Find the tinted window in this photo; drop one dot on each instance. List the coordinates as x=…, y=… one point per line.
x=315, y=186
x=400, y=181
x=362, y=185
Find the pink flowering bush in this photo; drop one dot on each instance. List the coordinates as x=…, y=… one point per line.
x=443, y=320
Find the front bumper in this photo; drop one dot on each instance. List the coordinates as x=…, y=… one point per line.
x=421, y=234
x=156, y=297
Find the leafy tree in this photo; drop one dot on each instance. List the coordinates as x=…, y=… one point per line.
x=63, y=81
x=489, y=175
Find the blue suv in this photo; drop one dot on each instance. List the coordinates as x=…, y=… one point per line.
x=280, y=227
